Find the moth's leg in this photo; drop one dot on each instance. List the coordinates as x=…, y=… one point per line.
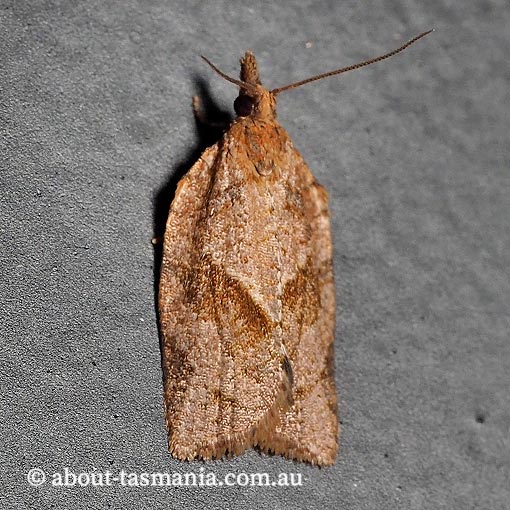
x=202, y=118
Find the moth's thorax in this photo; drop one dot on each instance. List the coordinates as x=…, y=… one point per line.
x=260, y=143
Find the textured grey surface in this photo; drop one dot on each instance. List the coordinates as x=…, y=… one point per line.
x=95, y=125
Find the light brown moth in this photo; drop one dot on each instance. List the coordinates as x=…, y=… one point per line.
x=246, y=295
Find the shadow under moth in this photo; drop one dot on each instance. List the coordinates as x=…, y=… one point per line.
x=246, y=295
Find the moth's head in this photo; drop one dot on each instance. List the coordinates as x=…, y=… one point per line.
x=255, y=100
x=260, y=103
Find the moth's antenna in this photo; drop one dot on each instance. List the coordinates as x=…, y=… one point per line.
x=242, y=84
x=349, y=68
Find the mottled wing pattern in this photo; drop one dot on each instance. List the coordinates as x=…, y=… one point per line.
x=247, y=303
x=222, y=354
x=309, y=429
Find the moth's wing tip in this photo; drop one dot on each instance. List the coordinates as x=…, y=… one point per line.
x=182, y=446
x=324, y=458
x=228, y=446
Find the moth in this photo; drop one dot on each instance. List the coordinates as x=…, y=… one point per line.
x=246, y=293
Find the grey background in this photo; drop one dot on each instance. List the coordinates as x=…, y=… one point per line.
x=96, y=126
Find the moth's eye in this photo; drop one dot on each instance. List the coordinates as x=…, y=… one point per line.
x=243, y=105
